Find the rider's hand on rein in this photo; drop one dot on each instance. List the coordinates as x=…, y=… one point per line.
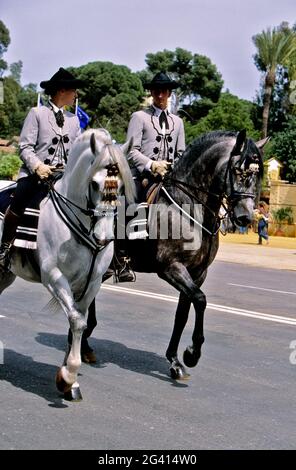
x=44, y=171
x=160, y=167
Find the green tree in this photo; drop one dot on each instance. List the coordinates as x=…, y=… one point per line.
x=275, y=48
x=200, y=82
x=9, y=166
x=230, y=113
x=16, y=71
x=280, y=103
x=10, y=110
x=27, y=98
x=17, y=103
x=4, y=43
x=112, y=92
x=283, y=147
x=162, y=60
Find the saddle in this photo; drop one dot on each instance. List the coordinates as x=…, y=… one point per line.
x=152, y=193
x=147, y=194
x=120, y=268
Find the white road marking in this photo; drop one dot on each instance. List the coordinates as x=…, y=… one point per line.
x=2, y=316
x=263, y=288
x=220, y=308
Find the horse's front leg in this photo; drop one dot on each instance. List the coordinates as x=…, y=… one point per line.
x=87, y=353
x=177, y=369
x=66, y=379
x=178, y=276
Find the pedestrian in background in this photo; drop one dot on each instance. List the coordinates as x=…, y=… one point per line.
x=262, y=216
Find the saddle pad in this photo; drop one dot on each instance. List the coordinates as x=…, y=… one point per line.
x=26, y=232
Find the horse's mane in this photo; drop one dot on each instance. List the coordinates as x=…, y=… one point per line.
x=200, y=145
x=205, y=141
x=100, y=134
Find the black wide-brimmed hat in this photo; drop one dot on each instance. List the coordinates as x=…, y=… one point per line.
x=62, y=79
x=161, y=80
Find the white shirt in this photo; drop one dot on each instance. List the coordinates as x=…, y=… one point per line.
x=58, y=156
x=55, y=108
x=157, y=113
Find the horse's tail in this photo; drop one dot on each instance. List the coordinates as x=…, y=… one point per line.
x=53, y=306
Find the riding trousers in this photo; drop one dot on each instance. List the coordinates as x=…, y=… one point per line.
x=24, y=192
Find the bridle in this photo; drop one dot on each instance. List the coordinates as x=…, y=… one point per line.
x=105, y=207
x=230, y=199
x=253, y=168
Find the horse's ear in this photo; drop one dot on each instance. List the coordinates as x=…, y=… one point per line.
x=260, y=144
x=240, y=140
x=126, y=148
x=93, y=145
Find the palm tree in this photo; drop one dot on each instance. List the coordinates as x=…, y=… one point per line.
x=274, y=47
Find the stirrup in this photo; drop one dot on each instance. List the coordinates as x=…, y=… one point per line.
x=125, y=273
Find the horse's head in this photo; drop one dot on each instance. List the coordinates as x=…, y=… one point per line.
x=109, y=177
x=243, y=176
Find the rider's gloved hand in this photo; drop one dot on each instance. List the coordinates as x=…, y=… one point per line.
x=160, y=167
x=43, y=171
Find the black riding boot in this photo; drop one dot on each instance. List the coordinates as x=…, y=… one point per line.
x=10, y=223
x=120, y=266
x=125, y=274
x=121, y=261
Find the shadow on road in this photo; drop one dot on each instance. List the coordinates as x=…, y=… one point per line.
x=31, y=376
x=111, y=352
x=35, y=377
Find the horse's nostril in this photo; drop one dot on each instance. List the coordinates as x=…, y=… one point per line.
x=243, y=220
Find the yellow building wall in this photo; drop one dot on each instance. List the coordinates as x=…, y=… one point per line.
x=283, y=194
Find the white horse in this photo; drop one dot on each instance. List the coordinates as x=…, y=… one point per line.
x=75, y=233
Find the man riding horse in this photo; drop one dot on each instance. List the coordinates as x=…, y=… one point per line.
x=158, y=141
x=46, y=138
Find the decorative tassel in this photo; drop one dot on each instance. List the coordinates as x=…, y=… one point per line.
x=110, y=192
x=254, y=167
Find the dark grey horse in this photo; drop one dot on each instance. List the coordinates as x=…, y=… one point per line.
x=218, y=166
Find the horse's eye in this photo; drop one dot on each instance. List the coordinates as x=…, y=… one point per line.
x=95, y=186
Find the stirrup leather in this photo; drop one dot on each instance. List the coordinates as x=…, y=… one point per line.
x=5, y=255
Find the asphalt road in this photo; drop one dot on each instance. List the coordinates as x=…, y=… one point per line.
x=240, y=396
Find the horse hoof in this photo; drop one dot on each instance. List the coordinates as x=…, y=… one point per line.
x=74, y=394
x=88, y=357
x=191, y=357
x=61, y=384
x=179, y=373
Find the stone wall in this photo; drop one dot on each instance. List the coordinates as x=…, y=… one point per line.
x=283, y=194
